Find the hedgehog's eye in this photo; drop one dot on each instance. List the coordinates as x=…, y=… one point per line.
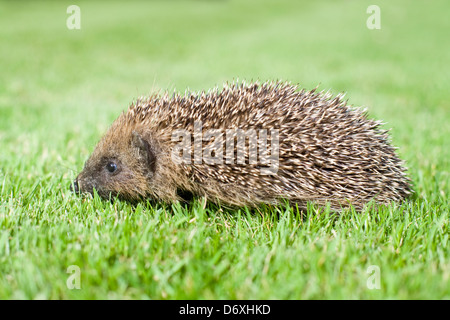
x=111, y=167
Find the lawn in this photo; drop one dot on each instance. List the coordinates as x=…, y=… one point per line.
x=60, y=89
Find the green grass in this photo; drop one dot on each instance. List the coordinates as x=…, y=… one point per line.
x=61, y=89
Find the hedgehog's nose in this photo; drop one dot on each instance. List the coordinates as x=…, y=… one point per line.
x=74, y=186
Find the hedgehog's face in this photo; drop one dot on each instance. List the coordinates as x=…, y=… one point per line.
x=119, y=166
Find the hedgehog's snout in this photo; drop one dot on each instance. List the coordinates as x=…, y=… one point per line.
x=74, y=187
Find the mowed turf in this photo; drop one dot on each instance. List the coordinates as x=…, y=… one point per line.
x=60, y=89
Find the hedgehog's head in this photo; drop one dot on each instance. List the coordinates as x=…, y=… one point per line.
x=122, y=164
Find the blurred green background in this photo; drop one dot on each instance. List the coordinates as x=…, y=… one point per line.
x=78, y=79
x=60, y=89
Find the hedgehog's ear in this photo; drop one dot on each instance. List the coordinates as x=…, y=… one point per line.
x=145, y=150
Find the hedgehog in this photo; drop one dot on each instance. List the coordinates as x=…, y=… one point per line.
x=247, y=144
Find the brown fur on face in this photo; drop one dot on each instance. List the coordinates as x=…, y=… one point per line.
x=130, y=174
x=329, y=152
x=136, y=156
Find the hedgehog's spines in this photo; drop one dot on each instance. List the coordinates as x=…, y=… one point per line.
x=329, y=150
